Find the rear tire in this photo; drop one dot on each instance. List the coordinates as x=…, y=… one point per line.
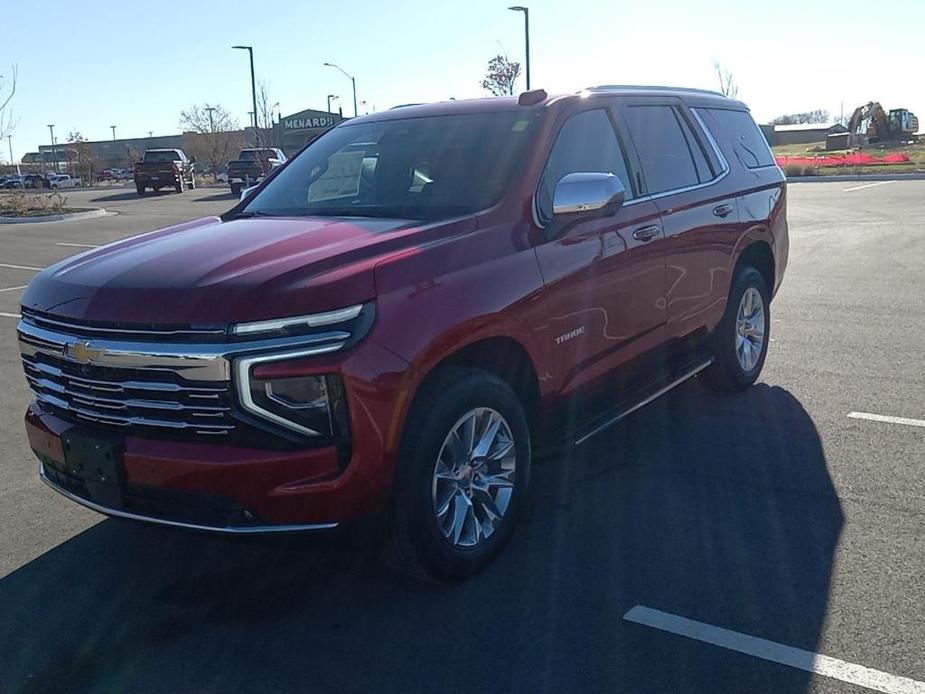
x=179, y=186
x=455, y=505
x=236, y=189
x=740, y=341
x=140, y=189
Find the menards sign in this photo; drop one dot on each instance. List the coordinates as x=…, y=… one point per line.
x=307, y=120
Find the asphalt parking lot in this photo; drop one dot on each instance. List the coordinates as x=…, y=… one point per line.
x=770, y=514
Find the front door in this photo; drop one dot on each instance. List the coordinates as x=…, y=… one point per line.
x=605, y=277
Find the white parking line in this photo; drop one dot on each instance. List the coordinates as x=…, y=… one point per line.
x=21, y=267
x=887, y=419
x=833, y=668
x=78, y=245
x=13, y=289
x=9, y=315
x=868, y=185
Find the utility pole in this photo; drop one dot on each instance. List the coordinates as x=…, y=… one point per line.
x=113, y=132
x=526, y=11
x=9, y=139
x=250, y=52
x=54, y=154
x=211, y=123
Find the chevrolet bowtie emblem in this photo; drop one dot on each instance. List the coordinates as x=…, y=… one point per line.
x=81, y=352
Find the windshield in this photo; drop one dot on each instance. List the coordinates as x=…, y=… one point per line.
x=414, y=168
x=161, y=156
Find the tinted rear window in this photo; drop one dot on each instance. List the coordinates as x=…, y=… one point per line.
x=749, y=144
x=161, y=156
x=664, y=152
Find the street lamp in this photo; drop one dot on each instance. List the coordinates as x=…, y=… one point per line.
x=250, y=51
x=526, y=11
x=352, y=81
x=113, y=132
x=54, y=154
x=331, y=97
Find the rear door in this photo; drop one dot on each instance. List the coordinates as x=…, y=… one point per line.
x=605, y=277
x=686, y=176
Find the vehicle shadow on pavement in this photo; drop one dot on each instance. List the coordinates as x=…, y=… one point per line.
x=217, y=197
x=719, y=509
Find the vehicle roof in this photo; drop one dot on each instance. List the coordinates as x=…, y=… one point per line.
x=700, y=97
x=164, y=149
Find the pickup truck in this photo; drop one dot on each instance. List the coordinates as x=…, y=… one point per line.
x=383, y=331
x=251, y=166
x=164, y=168
x=63, y=181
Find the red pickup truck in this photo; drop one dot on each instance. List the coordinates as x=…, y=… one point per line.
x=391, y=323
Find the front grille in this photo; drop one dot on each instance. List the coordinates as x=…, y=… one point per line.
x=121, y=331
x=144, y=399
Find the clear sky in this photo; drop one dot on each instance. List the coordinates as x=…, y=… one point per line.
x=90, y=64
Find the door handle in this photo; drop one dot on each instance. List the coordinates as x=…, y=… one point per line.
x=723, y=210
x=647, y=233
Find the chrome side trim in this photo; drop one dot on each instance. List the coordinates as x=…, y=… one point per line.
x=243, y=370
x=229, y=530
x=642, y=403
x=200, y=362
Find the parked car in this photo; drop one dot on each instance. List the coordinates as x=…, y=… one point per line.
x=12, y=182
x=36, y=181
x=391, y=324
x=164, y=168
x=62, y=181
x=251, y=166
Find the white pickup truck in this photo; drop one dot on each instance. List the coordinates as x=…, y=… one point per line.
x=63, y=181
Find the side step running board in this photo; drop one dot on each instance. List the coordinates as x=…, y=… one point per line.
x=610, y=421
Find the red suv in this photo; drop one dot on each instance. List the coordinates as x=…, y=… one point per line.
x=391, y=322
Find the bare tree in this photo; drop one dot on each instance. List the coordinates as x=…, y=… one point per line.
x=820, y=115
x=7, y=92
x=265, y=105
x=211, y=134
x=79, y=155
x=727, y=84
x=501, y=76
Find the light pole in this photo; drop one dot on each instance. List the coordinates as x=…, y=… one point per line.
x=250, y=51
x=331, y=97
x=54, y=154
x=526, y=11
x=352, y=82
x=113, y=132
x=211, y=122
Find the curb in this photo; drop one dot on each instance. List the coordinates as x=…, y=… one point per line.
x=87, y=214
x=858, y=177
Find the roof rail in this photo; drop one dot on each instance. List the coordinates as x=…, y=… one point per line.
x=619, y=87
x=418, y=103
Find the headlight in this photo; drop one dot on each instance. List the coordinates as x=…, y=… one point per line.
x=298, y=323
x=312, y=405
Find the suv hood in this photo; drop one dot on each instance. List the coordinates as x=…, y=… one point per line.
x=214, y=272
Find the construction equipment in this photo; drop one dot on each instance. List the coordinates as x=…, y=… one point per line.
x=873, y=122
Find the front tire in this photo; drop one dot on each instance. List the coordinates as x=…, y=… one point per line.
x=140, y=189
x=462, y=479
x=740, y=341
x=236, y=189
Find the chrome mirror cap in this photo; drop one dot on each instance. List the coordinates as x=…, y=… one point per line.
x=585, y=192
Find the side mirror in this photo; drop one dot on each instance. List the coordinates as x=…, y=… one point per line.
x=587, y=192
x=246, y=192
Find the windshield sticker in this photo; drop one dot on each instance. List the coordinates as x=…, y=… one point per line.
x=341, y=180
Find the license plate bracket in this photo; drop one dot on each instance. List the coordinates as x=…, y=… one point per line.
x=97, y=462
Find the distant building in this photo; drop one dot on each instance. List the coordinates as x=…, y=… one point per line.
x=805, y=133
x=290, y=134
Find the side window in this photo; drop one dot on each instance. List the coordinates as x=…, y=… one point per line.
x=587, y=142
x=664, y=153
x=749, y=144
x=704, y=172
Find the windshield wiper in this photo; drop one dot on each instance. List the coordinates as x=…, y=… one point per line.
x=249, y=214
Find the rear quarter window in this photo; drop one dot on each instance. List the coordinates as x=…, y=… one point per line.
x=749, y=144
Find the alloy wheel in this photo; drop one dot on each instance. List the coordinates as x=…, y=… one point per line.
x=750, y=329
x=473, y=479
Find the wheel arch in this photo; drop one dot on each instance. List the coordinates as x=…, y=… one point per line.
x=757, y=253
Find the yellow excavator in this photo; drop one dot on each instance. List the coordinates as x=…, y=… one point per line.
x=879, y=126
